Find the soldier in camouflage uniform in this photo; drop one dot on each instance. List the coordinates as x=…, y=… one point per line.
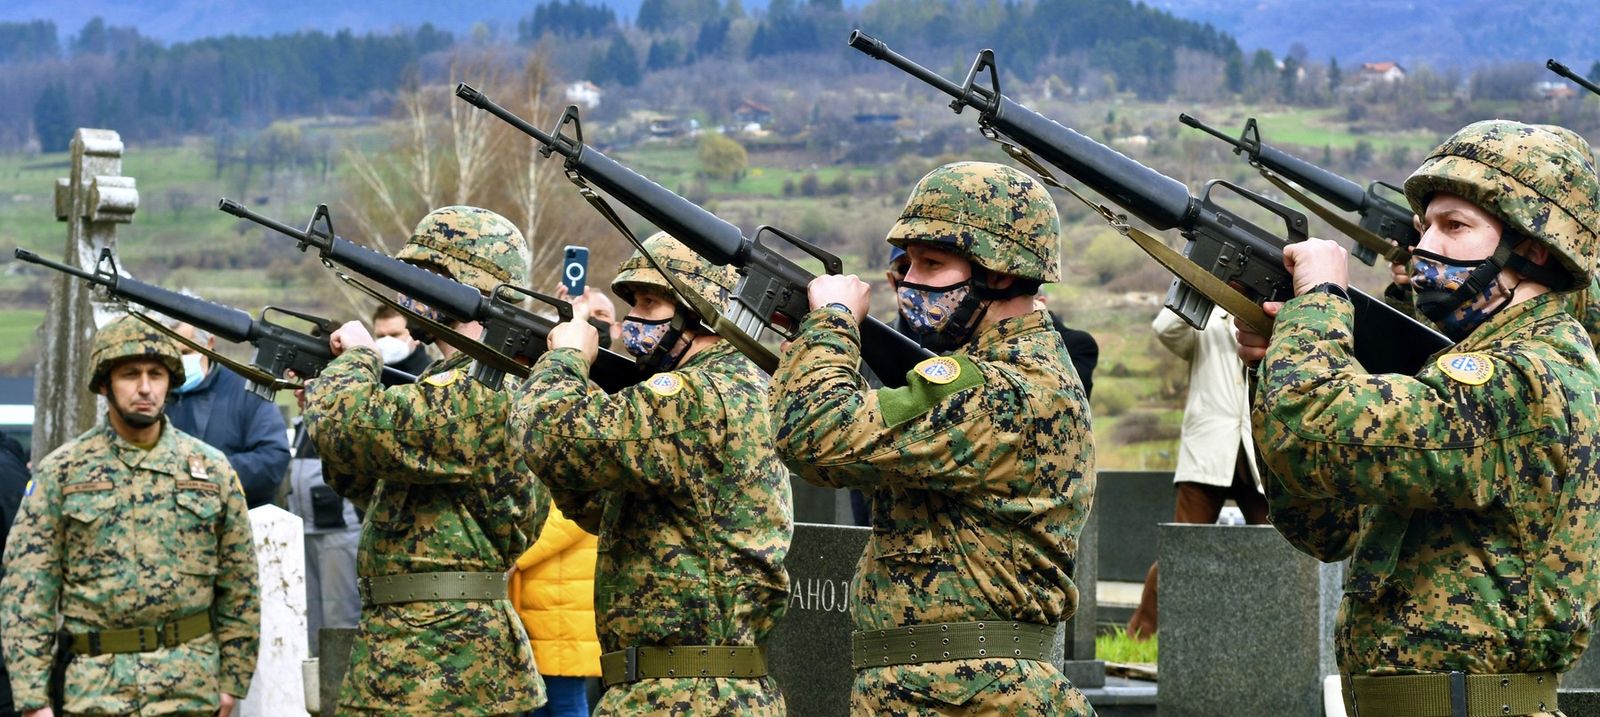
x=135, y=537
x=678, y=478
x=447, y=501
x=1467, y=496
x=1585, y=304
x=980, y=471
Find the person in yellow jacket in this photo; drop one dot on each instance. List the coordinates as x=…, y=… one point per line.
x=552, y=588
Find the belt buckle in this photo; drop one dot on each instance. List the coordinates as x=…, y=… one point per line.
x=1458, y=694
x=630, y=664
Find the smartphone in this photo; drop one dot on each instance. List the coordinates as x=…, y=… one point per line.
x=574, y=269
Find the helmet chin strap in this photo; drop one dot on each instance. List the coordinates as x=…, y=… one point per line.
x=667, y=353
x=1484, y=276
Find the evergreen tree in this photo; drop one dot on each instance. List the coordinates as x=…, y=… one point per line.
x=1335, y=75
x=52, y=119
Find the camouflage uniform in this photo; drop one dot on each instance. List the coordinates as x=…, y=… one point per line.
x=1467, y=500
x=112, y=536
x=678, y=478
x=442, y=492
x=980, y=471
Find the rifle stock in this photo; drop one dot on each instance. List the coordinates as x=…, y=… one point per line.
x=1221, y=242
x=772, y=289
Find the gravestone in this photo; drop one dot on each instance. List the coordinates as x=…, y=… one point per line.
x=1585, y=674
x=333, y=660
x=277, y=688
x=809, y=651
x=93, y=201
x=1246, y=623
x=1128, y=506
x=1074, y=650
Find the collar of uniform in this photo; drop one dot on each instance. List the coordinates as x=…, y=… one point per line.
x=1007, y=329
x=460, y=360
x=714, y=353
x=1511, y=320
x=162, y=458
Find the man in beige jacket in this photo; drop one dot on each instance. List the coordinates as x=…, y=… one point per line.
x=1216, y=458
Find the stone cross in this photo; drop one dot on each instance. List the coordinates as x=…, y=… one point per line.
x=93, y=201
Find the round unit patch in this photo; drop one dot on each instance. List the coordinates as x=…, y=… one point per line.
x=939, y=369
x=1473, y=369
x=443, y=379
x=665, y=384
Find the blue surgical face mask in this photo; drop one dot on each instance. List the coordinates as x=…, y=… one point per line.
x=193, y=372
x=1434, y=281
x=940, y=317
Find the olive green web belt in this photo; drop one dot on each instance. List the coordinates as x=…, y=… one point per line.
x=1453, y=694
x=432, y=587
x=946, y=641
x=142, y=639
x=646, y=663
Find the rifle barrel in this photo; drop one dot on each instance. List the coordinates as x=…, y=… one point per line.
x=1208, y=129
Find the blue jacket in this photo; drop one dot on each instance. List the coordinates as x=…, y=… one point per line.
x=248, y=430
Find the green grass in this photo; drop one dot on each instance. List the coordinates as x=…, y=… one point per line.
x=18, y=328
x=1118, y=647
x=1324, y=127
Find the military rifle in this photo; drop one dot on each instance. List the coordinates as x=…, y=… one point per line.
x=279, y=349
x=512, y=334
x=1385, y=230
x=1234, y=262
x=1566, y=72
x=772, y=289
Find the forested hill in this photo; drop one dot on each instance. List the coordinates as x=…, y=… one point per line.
x=104, y=74
x=1462, y=34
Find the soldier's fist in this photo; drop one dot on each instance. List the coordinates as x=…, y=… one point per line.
x=1315, y=262
x=352, y=335
x=847, y=290
x=1253, y=345
x=577, y=334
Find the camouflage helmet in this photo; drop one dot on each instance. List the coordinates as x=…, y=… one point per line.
x=129, y=338
x=1535, y=182
x=478, y=247
x=709, y=280
x=995, y=216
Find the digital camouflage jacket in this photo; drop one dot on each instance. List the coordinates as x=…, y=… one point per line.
x=443, y=492
x=694, y=513
x=1468, y=495
x=980, y=473
x=111, y=537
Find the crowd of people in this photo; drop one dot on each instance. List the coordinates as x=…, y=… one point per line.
x=498, y=546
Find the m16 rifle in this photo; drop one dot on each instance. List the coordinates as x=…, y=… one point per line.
x=1385, y=229
x=1566, y=72
x=512, y=334
x=772, y=289
x=1227, y=260
x=279, y=349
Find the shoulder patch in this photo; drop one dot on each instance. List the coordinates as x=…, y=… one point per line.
x=27, y=490
x=443, y=379
x=951, y=375
x=665, y=384
x=1473, y=369
x=939, y=369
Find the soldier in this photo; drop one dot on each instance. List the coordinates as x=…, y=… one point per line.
x=449, y=505
x=132, y=556
x=678, y=478
x=1468, y=495
x=980, y=470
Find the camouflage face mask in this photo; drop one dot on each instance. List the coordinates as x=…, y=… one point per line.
x=418, y=331
x=940, y=317
x=1435, y=280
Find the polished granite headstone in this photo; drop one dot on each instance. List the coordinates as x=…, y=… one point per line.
x=333, y=660
x=809, y=651
x=1246, y=623
x=1128, y=506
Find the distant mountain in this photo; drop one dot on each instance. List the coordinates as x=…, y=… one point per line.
x=181, y=20
x=1441, y=34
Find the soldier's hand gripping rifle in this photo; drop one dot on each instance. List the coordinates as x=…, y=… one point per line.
x=511, y=333
x=1385, y=228
x=1227, y=260
x=772, y=289
x=279, y=349
x=1566, y=72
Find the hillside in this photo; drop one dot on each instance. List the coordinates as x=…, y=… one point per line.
x=1463, y=34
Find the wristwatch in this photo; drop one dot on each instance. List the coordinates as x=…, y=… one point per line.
x=1331, y=288
x=841, y=307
